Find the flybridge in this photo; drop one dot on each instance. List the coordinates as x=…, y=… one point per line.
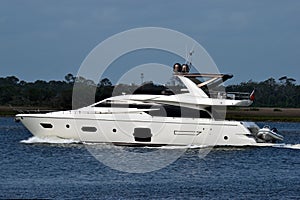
x=217, y=79
x=209, y=81
x=223, y=76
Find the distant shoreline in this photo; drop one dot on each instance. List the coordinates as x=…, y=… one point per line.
x=237, y=113
x=7, y=111
x=263, y=114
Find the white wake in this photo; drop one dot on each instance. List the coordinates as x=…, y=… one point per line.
x=57, y=140
x=49, y=140
x=288, y=146
x=181, y=147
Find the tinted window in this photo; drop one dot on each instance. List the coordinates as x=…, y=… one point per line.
x=46, y=125
x=177, y=111
x=89, y=129
x=162, y=110
x=119, y=105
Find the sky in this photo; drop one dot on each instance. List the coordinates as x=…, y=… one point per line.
x=251, y=39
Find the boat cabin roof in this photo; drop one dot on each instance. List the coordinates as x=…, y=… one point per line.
x=195, y=75
x=210, y=79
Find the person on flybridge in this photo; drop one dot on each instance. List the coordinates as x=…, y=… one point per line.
x=178, y=68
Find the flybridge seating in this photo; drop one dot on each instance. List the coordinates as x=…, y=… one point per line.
x=210, y=83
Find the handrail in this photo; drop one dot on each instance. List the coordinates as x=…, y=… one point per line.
x=230, y=95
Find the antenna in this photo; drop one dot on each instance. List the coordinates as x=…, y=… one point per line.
x=186, y=54
x=142, y=78
x=189, y=55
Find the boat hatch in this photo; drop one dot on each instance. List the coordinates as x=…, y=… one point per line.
x=142, y=134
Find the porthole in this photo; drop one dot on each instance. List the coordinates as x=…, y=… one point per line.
x=46, y=125
x=225, y=137
x=114, y=130
x=89, y=129
x=67, y=126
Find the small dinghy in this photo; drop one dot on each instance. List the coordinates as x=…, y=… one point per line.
x=268, y=134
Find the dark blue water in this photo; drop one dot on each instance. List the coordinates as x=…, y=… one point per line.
x=70, y=171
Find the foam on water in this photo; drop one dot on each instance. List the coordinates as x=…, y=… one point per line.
x=107, y=145
x=181, y=147
x=57, y=140
x=288, y=146
x=49, y=140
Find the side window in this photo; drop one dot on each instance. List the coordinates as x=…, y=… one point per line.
x=176, y=111
x=204, y=114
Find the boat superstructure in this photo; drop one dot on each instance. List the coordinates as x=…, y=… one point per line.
x=188, y=118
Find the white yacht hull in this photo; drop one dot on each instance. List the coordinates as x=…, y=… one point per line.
x=137, y=129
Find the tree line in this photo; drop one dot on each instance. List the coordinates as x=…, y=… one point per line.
x=50, y=94
x=283, y=93
x=58, y=94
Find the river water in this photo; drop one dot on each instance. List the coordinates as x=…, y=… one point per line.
x=31, y=168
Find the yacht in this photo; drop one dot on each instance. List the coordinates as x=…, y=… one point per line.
x=195, y=116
